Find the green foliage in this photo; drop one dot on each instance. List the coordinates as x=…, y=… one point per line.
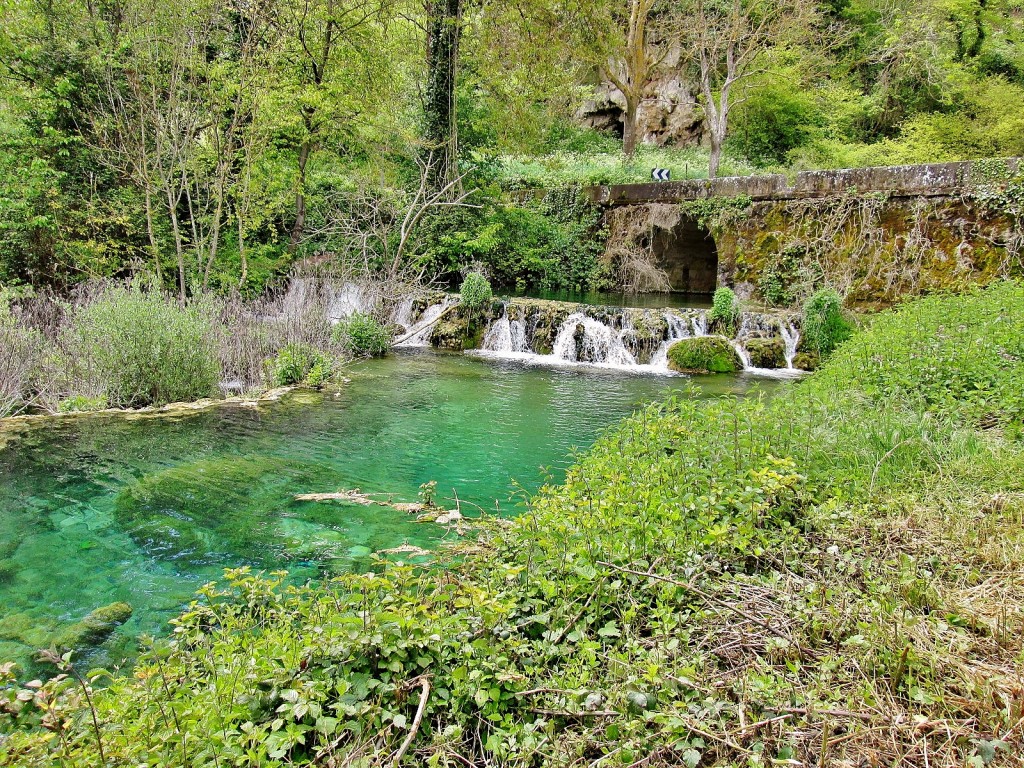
x=716, y=213
x=553, y=242
x=427, y=493
x=776, y=529
x=82, y=404
x=725, y=309
x=141, y=348
x=779, y=283
x=299, y=363
x=825, y=325
x=955, y=355
x=475, y=293
x=704, y=354
x=573, y=168
x=361, y=335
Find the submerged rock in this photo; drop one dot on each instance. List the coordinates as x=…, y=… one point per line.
x=704, y=354
x=222, y=510
x=94, y=628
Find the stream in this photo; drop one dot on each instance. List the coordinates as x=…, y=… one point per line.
x=107, y=508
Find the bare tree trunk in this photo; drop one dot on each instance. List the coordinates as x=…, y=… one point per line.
x=178, y=244
x=629, y=129
x=716, y=154
x=241, y=252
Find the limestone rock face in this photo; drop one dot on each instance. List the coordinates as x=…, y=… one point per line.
x=669, y=114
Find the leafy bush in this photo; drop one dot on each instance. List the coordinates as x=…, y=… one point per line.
x=475, y=293
x=825, y=324
x=554, y=242
x=704, y=354
x=299, y=363
x=361, y=335
x=725, y=310
x=141, y=348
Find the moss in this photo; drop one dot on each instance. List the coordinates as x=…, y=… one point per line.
x=704, y=354
x=8, y=571
x=94, y=628
x=215, y=510
x=806, y=361
x=766, y=353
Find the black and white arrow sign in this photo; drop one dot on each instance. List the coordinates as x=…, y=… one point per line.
x=661, y=174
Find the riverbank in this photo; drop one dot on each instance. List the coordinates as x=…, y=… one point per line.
x=833, y=576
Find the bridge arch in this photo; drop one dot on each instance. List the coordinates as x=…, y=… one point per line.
x=689, y=256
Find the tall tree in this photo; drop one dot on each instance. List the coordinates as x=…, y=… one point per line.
x=626, y=43
x=724, y=41
x=440, y=126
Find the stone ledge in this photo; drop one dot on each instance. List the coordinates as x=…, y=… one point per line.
x=931, y=180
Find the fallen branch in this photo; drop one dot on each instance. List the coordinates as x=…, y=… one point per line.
x=422, y=328
x=424, y=694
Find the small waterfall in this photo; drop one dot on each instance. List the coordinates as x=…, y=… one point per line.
x=348, y=300
x=507, y=336
x=583, y=339
x=418, y=335
x=791, y=337
x=403, y=314
x=635, y=340
x=742, y=352
x=678, y=328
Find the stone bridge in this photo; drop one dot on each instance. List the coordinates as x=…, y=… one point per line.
x=874, y=233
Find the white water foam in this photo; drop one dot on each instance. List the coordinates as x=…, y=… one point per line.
x=791, y=336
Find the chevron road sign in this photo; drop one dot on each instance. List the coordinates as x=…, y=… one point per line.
x=661, y=174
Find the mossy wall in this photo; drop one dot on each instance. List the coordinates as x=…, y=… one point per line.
x=873, y=248
x=875, y=234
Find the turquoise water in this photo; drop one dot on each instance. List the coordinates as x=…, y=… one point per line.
x=109, y=508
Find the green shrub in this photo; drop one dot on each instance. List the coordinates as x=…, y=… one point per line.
x=475, y=292
x=141, y=348
x=360, y=335
x=298, y=363
x=725, y=310
x=825, y=324
x=82, y=403
x=704, y=354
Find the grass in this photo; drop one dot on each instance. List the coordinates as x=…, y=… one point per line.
x=832, y=577
x=560, y=169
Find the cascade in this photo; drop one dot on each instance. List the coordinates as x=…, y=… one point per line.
x=791, y=337
x=582, y=339
x=403, y=314
x=418, y=334
x=506, y=336
x=348, y=300
x=678, y=328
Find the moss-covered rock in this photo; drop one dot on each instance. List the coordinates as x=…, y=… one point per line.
x=704, y=354
x=766, y=353
x=94, y=628
x=806, y=361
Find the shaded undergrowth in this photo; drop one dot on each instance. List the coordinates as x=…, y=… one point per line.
x=831, y=577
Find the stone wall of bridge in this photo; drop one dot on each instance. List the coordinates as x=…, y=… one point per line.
x=876, y=234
